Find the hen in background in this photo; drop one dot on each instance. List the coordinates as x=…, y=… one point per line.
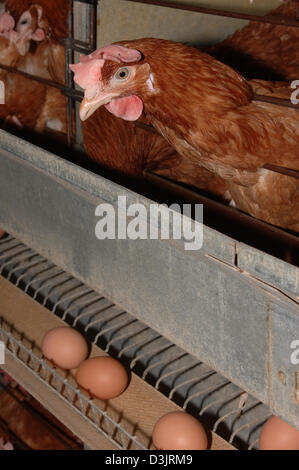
x=33, y=427
x=205, y=110
x=34, y=105
x=15, y=110
x=263, y=50
x=45, y=56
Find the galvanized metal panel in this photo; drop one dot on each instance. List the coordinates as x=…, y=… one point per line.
x=270, y=270
x=215, y=244
x=284, y=363
x=199, y=300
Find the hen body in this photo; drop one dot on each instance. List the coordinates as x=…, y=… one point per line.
x=45, y=59
x=34, y=105
x=129, y=150
x=264, y=50
x=115, y=144
x=16, y=109
x=120, y=146
x=32, y=424
x=204, y=109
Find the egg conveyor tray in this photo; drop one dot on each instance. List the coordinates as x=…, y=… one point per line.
x=221, y=405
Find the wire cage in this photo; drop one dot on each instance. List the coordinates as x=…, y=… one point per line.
x=237, y=257
x=82, y=39
x=88, y=45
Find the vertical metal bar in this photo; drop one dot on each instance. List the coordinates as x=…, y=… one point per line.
x=93, y=30
x=68, y=76
x=90, y=40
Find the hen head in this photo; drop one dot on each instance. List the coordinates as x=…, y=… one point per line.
x=49, y=16
x=166, y=79
x=113, y=76
x=29, y=27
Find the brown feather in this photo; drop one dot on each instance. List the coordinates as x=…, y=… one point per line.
x=205, y=111
x=264, y=50
x=55, y=12
x=34, y=104
x=120, y=146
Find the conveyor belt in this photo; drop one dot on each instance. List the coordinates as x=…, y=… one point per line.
x=221, y=405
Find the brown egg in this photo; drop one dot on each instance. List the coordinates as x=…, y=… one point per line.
x=2, y=233
x=66, y=347
x=103, y=377
x=179, y=431
x=276, y=434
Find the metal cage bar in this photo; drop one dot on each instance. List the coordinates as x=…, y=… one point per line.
x=218, y=12
x=73, y=45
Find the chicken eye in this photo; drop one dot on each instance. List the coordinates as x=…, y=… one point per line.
x=122, y=74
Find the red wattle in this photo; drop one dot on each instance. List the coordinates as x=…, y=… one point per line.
x=129, y=108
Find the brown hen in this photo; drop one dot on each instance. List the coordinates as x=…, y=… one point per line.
x=30, y=104
x=44, y=58
x=204, y=109
x=259, y=49
x=17, y=111
x=129, y=151
x=264, y=50
x=31, y=424
x=115, y=144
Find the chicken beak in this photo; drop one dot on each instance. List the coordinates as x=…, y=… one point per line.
x=89, y=106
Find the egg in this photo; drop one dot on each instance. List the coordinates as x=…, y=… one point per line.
x=103, y=377
x=276, y=434
x=64, y=346
x=179, y=431
x=2, y=233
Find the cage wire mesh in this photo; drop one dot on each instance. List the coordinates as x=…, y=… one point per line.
x=225, y=408
x=82, y=39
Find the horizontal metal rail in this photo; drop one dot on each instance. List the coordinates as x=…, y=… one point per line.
x=277, y=169
x=75, y=94
x=71, y=45
x=218, y=12
x=275, y=100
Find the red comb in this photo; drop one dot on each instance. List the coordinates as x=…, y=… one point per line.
x=114, y=53
x=7, y=23
x=89, y=70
